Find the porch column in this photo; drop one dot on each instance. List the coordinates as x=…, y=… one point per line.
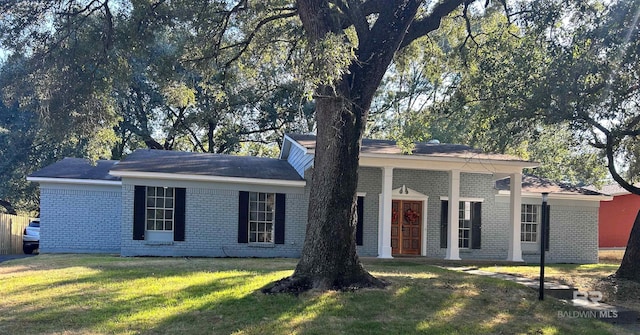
x=384, y=222
x=515, y=203
x=453, y=250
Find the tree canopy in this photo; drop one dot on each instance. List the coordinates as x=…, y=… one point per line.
x=99, y=78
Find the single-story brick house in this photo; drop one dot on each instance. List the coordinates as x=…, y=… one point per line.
x=166, y=203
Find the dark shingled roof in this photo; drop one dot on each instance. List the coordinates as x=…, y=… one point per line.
x=389, y=147
x=534, y=184
x=162, y=161
x=78, y=168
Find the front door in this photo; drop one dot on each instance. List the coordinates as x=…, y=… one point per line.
x=406, y=225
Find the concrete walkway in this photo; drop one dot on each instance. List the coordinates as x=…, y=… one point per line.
x=592, y=308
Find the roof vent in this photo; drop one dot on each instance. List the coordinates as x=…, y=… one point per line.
x=434, y=141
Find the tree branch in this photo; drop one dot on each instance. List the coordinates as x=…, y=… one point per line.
x=432, y=21
x=7, y=205
x=611, y=165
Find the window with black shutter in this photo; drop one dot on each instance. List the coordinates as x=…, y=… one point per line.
x=261, y=217
x=158, y=211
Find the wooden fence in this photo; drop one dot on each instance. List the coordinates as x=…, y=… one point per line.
x=11, y=227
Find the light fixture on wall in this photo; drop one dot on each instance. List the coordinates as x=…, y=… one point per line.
x=403, y=190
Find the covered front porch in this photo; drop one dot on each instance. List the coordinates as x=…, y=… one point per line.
x=437, y=208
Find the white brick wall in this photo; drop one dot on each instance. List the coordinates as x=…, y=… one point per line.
x=573, y=235
x=211, y=227
x=79, y=219
x=99, y=219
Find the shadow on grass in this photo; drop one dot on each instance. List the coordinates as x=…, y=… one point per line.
x=219, y=296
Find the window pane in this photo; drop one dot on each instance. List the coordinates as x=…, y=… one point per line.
x=159, y=214
x=168, y=225
x=150, y=225
x=253, y=196
x=151, y=214
x=168, y=203
x=168, y=214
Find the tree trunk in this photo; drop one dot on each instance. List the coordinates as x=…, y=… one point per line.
x=329, y=259
x=630, y=266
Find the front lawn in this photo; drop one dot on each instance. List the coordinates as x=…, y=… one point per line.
x=584, y=277
x=80, y=294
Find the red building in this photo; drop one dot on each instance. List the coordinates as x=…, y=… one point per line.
x=616, y=217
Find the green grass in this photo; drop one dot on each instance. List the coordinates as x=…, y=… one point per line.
x=80, y=294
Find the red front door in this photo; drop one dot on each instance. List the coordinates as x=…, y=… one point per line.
x=406, y=227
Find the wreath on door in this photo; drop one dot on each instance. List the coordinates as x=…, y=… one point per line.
x=411, y=216
x=394, y=215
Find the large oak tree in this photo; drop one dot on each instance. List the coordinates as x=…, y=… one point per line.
x=373, y=31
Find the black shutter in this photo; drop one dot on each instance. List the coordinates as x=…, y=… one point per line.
x=359, y=223
x=179, y=215
x=243, y=217
x=139, y=209
x=547, y=226
x=444, y=218
x=476, y=225
x=280, y=218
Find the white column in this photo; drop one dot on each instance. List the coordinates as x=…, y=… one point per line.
x=515, y=203
x=453, y=250
x=384, y=223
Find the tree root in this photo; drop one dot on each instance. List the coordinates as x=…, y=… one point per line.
x=298, y=284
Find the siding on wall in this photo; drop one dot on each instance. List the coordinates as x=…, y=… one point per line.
x=79, y=219
x=299, y=160
x=616, y=219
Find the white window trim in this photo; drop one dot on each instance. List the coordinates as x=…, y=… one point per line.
x=273, y=221
x=538, y=222
x=467, y=211
x=160, y=232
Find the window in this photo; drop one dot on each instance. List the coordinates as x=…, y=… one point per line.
x=464, y=224
x=529, y=223
x=157, y=212
x=160, y=208
x=469, y=224
x=261, y=217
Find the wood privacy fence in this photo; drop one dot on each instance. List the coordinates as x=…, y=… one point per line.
x=11, y=227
